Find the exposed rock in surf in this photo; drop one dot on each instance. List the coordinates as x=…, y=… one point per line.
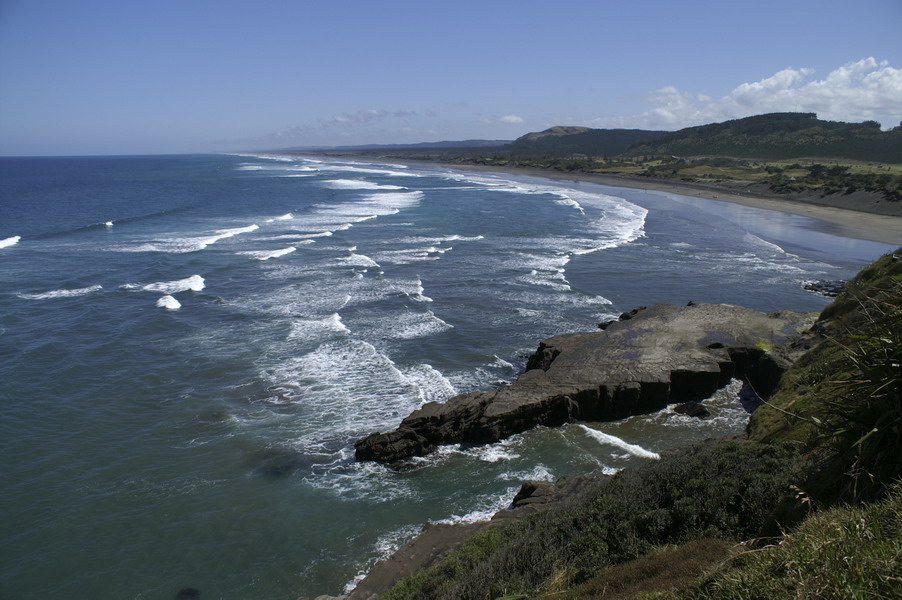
x=831, y=289
x=655, y=356
x=692, y=409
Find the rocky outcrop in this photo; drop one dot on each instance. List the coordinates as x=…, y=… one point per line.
x=650, y=358
x=831, y=289
x=692, y=409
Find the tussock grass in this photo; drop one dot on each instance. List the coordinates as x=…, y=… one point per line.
x=848, y=553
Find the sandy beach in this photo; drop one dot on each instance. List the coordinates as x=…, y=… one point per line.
x=848, y=223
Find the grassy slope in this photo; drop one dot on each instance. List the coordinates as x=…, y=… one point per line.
x=668, y=530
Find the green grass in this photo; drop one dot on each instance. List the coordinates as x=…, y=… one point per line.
x=844, y=553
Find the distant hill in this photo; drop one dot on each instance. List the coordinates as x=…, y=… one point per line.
x=778, y=136
x=564, y=141
x=442, y=145
x=775, y=136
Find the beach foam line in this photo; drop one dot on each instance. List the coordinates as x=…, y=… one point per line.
x=352, y=168
x=621, y=221
x=62, y=293
x=604, y=438
x=10, y=241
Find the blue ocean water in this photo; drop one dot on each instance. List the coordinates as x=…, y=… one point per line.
x=191, y=344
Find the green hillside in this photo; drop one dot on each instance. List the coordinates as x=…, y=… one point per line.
x=567, y=141
x=779, y=136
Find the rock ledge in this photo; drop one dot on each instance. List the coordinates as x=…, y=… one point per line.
x=652, y=357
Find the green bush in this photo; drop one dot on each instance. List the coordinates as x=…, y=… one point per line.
x=714, y=490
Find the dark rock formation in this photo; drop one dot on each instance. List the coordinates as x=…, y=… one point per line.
x=655, y=356
x=831, y=289
x=692, y=409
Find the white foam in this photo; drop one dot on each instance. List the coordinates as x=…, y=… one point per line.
x=614, y=221
x=500, y=363
x=565, y=200
x=418, y=293
x=169, y=303
x=62, y=293
x=317, y=328
x=267, y=254
x=358, y=260
x=604, y=438
x=384, y=548
x=347, y=387
x=194, y=283
x=108, y=224
x=485, y=508
x=538, y=473
x=490, y=453
x=10, y=241
x=403, y=325
x=359, y=184
x=763, y=244
x=369, y=207
x=285, y=217
x=431, y=385
x=463, y=238
x=408, y=257
x=353, y=168
x=189, y=244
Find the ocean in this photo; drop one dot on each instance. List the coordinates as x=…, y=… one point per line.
x=191, y=345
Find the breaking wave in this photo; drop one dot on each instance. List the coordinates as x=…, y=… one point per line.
x=62, y=293
x=10, y=241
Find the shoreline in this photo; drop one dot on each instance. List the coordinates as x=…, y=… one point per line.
x=886, y=229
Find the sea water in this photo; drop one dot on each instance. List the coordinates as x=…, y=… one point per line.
x=191, y=345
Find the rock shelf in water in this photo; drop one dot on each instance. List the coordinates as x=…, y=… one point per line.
x=651, y=358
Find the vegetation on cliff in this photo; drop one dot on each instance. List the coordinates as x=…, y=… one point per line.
x=750, y=519
x=780, y=136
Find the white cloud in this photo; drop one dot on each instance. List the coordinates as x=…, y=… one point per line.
x=859, y=91
x=511, y=119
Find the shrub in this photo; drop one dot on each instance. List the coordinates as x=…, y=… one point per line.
x=715, y=490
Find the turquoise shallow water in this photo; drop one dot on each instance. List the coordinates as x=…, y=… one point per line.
x=191, y=344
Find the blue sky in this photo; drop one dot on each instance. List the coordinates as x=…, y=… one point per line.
x=129, y=76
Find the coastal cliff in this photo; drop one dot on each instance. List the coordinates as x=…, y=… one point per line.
x=674, y=528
